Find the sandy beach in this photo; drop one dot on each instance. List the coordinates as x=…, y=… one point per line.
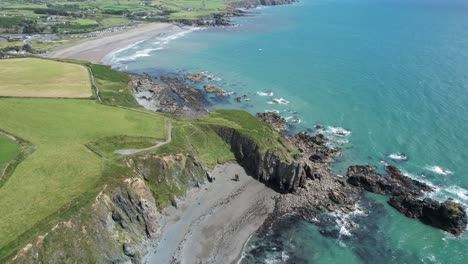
x=94, y=50
x=212, y=223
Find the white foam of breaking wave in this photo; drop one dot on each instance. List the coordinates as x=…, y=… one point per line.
x=272, y=111
x=284, y=256
x=342, y=141
x=458, y=191
x=414, y=177
x=439, y=170
x=344, y=223
x=265, y=94
x=212, y=77
x=279, y=101
x=160, y=43
x=398, y=156
x=384, y=163
x=339, y=131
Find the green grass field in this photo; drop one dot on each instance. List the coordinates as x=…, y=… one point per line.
x=30, y=77
x=9, y=149
x=56, y=173
x=61, y=168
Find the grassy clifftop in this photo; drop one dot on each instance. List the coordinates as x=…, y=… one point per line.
x=75, y=140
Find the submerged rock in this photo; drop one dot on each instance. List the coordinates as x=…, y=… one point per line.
x=197, y=77
x=214, y=89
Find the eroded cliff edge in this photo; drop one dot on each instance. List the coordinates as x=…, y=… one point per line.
x=123, y=220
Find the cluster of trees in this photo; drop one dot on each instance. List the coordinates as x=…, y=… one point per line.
x=19, y=25
x=58, y=10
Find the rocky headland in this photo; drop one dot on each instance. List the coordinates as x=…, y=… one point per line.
x=129, y=218
x=307, y=183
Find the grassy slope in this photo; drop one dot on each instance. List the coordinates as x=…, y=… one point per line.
x=113, y=86
x=199, y=138
x=8, y=151
x=20, y=77
x=61, y=168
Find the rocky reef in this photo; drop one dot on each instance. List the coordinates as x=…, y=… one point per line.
x=309, y=186
x=215, y=90
x=274, y=120
x=305, y=180
x=168, y=94
x=406, y=197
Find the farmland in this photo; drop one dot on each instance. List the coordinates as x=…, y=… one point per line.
x=56, y=166
x=9, y=149
x=68, y=148
x=85, y=16
x=21, y=78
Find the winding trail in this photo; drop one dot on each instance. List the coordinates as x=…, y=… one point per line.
x=134, y=151
x=93, y=83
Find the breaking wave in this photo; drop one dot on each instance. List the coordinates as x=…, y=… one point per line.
x=265, y=94
x=116, y=58
x=439, y=170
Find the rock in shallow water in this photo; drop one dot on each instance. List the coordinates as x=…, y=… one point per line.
x=449, y=215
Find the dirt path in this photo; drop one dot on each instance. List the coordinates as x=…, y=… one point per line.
x=134, y=151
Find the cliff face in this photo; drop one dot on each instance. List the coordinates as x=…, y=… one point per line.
x=282, y=174
x=114, y=229
x=122, y=220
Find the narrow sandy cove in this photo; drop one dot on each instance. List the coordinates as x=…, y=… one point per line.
x=94, y=50
x=213, y=222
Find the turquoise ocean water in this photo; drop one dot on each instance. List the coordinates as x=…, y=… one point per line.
x=392, y=72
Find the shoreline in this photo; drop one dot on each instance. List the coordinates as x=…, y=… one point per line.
x=218, y=231
x=213, y=223
x=95, y=50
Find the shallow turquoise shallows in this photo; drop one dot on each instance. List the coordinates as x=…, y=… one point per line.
x=392, y=72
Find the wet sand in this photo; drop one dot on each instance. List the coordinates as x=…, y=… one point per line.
x=94, y=50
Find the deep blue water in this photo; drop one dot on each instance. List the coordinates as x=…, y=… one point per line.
x=393, y=72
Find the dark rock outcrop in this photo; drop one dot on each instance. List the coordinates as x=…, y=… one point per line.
x=213, y=89
x=395, y=183
x=197, y=77
x=449, y=215
x=282, y=174
x=406, y=193
x=169, y=94
x=274, y=120
x=315, y=148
